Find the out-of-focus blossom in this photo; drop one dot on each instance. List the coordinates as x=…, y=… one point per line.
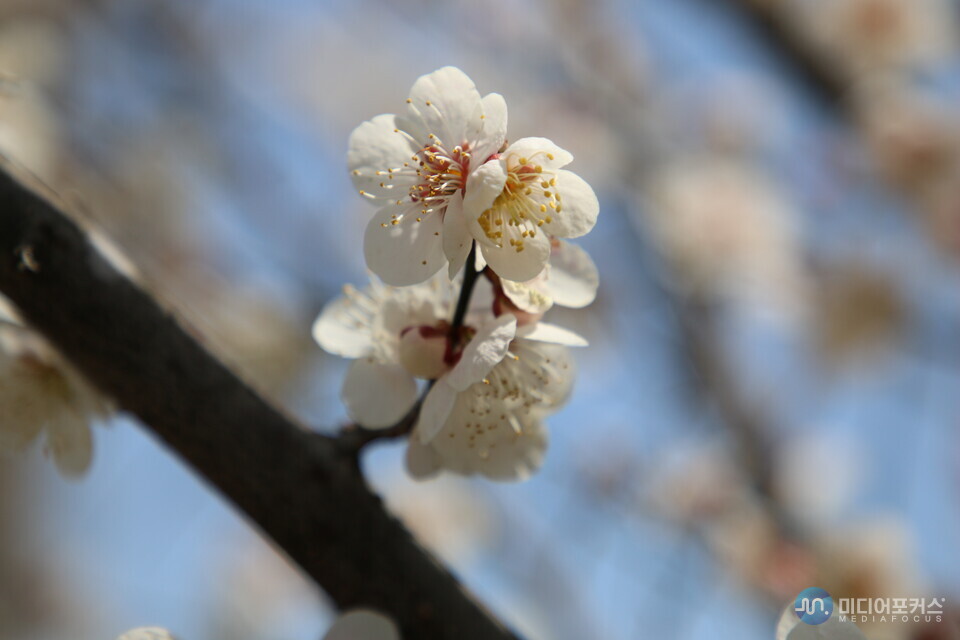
x=41, y=394
x=147, y=633
x=914, y=137
x=515, y=203
x=31, y=60
x=871, y=558
x=790, y=627
x=727, y=233
x=860, y=312
x=492, y=383
x=416, y=166
x=691, y=490
x=881, y=35
x=363, y=624
x=817, y=476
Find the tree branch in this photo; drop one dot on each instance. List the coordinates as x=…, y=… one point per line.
x=304, y=491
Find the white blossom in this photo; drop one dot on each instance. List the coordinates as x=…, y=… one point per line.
x=517, y=201
x=41, y=394
x=415, y=166
x=727, y=233
x=880, y=35
x=363, y=624
x=502, y=376
x=495, y=426
x=147, y=633
x=790, y=627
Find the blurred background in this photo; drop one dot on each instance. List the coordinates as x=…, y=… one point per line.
x=771, y=398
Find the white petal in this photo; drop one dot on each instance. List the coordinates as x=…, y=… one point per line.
x=526, y=297
x=421, y=460
x=546, y=332
x=435, y=410
x=480, y=263
x=456, y=236
x=493, y=127
x=519, y=266
x=572, y=278
x=377, y=395
x=578, y=207
x=483, y=352
x=363, y=624
x=342, y=329
x=70, y=443
x=405, y=253
x=537, y=151
x=446, y=101
x=147, y=633
x=376, y=146
x=483, y=187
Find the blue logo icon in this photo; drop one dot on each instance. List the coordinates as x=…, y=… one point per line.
x=813, y=605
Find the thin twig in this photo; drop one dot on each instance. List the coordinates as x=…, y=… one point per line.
x=470, y=275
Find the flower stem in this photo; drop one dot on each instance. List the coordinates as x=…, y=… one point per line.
x=470, y=275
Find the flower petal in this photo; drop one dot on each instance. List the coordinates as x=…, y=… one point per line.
x=446, y=101
x=376, y=146
x=435, y=410
x=519, y=266
x=578, y=207
x=483, y=187
x=572, y=278
x=525, y=296
x=456, y=236
x=487, y=348
x=377, y=395
x=492, y=127
x=363, y=624
x=405, y=253
x=546, y=332
x=342, y=329
x=541, y=151
x=421, y=460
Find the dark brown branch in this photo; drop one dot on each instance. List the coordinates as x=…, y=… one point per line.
x=304, y=491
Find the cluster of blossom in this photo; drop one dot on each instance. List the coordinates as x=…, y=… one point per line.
x=452, y=193
x=40, y=394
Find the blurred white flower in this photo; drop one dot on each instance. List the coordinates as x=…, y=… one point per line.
x=147, y=633
x=363, y=624
x=790, y=627
x=41, y=393
x=488, y=376
x=881, y=35
x=416, y=166
x=727, y=234
x=517, y=201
